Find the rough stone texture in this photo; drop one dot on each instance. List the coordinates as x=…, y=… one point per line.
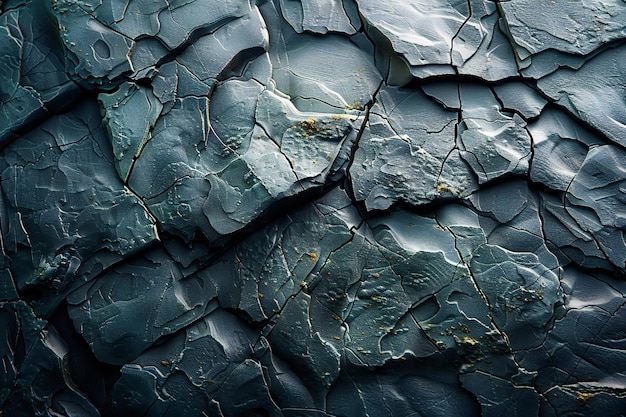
x=312, y=207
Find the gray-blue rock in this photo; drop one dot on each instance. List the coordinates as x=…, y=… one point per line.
x=312, y=207
x=594, y=93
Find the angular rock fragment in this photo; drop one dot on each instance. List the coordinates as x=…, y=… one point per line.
x=34, y=379
x=492, y=142
x=322, y=16
x=33, y=72
x=560, y=147
x=305, y=68
x=586, y=375
x=110, y=312
x=94, y=52
x=66, y=214
x=594, y=199
x=567, y=27
x=520, y=98
x=593, y=93
x=129, y=115
x=408, y=153
x=443, y=38
x=203, y=368
x=417, y=151
x=206, y=174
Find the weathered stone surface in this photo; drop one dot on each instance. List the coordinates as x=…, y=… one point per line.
x=443, y=38
x=575, y=28
x=594, y=93
x=34, y=82
x=66, y=214
x=312, y=207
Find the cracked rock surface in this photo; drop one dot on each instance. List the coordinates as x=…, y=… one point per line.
x=312, y=207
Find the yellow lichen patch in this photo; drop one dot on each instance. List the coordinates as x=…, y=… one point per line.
x=313, y=256
x=464, y=327
x=355, y=105
x=584, y=397
x=469, y=341
x=343, y=116
x=309, y=125
x=443, y=187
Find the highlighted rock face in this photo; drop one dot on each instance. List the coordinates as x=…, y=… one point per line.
x=312, y=207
